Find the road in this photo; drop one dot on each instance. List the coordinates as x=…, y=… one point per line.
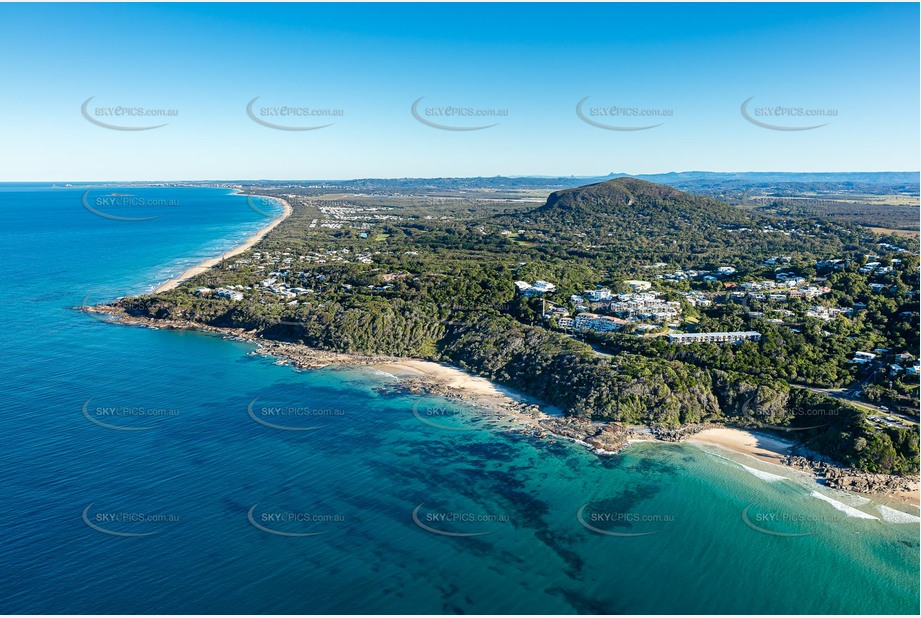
x=848, y=395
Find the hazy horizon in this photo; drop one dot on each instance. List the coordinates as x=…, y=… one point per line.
x=549, y=176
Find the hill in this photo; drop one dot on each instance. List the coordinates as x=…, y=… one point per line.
x=634, y=221
x=630, y=202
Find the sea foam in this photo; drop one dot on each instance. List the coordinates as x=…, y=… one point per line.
x=897, y=517
x=847, y=510
x=764, y=476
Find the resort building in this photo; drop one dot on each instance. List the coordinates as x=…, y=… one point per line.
x=734, y=337
x=597, y=323
x=645, y=305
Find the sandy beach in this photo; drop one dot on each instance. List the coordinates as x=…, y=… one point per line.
x=766, y=448
x=209, y=263
x=457, y=379
x=490, y=397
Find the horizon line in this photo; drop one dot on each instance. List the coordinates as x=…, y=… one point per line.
x=509, y=176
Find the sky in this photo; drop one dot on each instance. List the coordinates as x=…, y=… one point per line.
x=69, y=70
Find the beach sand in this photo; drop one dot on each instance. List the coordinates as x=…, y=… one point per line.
x=759, y=446
x=210, y=263
x=470, y=388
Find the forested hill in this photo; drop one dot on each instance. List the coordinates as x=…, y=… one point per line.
x=626, y=203
x=634, y=220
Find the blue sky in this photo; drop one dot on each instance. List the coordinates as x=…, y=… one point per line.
x=695, y=63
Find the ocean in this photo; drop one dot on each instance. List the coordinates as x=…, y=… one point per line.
x=155, y=471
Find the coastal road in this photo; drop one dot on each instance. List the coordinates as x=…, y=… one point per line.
x=848, y=395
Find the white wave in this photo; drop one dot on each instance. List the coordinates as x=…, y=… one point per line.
x=897, y=517
x=764, y=476
x=380, y=372
x=847, y=510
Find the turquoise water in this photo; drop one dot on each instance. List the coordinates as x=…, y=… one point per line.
x=222, y=495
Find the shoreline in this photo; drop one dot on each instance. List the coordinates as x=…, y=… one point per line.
x=784, y=455
x=510, y=410
x=246, y=245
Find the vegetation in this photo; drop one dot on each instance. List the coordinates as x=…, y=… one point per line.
x=434, y=278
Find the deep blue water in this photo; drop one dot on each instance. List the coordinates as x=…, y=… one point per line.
x=213, y=488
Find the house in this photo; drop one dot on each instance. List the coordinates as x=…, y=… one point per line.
x=863, y=358
x=598, y=295
x=638, y=286
x=781, y=258
x=539, y=288
x=696, y=299
x=230, y=294
x=726, y=270
x=728, y=337
x=202, y=291
x=824, y=313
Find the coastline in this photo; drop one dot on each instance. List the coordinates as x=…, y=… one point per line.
x=778, y=452
x=211, y=262
x=510, y=410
